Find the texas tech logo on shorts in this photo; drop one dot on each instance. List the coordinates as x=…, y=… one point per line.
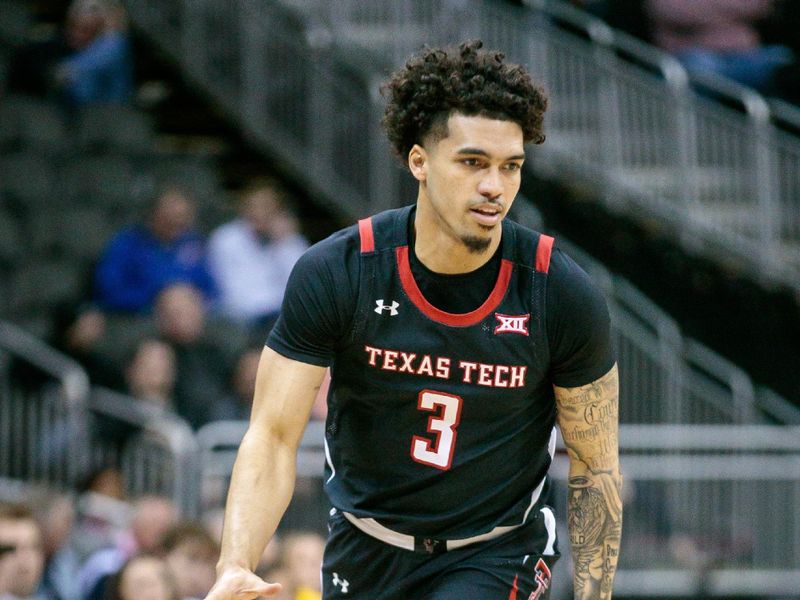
x=542, y=580
x=511, y=324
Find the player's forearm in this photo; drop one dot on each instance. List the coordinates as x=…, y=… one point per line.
x=587, y=416
x=594, y=515
x=261, y=488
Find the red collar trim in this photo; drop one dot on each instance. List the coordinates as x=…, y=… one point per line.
x=446, y=318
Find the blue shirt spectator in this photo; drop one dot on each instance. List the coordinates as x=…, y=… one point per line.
x=100, y=70
x=142, y=260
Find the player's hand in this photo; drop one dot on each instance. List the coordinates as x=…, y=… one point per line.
x=236, y=583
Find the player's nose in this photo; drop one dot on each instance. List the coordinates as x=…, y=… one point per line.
x=491, y=185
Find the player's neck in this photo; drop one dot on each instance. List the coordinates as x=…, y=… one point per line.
x=441, y=252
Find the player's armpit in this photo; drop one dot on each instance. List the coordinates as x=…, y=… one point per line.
x=588, y=419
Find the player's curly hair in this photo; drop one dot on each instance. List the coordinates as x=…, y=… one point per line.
x=467, y=79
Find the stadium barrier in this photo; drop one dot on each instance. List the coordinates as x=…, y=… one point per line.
x=156, y=451
x=43, y=411
x=56, y=430
x=219, y=443
x=703, y=154
x=710, y=510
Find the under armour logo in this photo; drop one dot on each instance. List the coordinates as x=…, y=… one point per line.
x=512, y=324
x=391, y=308
x=339, y=582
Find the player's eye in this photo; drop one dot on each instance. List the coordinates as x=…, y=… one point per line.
x=513, y=167
x=471, y=162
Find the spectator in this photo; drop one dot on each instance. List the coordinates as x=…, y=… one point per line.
x=151, y=372
x=143, y=577
x=191, y=555
x=102, y=511
x=62, y=559
x=80, y=332
x=720, y=36
x=251, y=257
x=152, y=517
x=21, y=555
x=202, y=369
x=236, y=405
x=100, y=70
x=140, y=261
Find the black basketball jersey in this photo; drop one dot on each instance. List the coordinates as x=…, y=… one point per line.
x=441, y=424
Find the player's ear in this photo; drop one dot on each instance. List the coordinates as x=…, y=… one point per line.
x=417, y=162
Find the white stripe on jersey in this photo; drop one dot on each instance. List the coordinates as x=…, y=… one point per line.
x=551, y=448
x=329, y=460
x=550, y=525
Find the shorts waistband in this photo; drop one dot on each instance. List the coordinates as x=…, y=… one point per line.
x=420, y=544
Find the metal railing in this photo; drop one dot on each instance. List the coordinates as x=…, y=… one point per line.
x=706, y=155
x=56, y=430
x=43, y=411
x=710, y=510
x=156, y=450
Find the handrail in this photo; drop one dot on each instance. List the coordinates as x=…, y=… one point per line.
x=762, y=438
x=74, y=380
x=600, y=32
x=166, y=426
x=672, y=70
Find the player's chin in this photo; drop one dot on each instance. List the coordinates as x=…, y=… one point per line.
x=477, y=244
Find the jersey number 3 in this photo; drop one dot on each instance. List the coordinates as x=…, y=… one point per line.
x=443, y=423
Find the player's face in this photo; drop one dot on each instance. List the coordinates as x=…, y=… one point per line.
x=470, y=178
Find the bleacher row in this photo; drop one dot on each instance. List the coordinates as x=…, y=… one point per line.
x=67, y=184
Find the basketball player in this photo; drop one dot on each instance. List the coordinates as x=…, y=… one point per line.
x=456, y=340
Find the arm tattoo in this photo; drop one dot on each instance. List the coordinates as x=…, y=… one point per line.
x=588, y=422
x=595, y=525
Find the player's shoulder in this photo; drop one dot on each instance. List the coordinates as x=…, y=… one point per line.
x=563, y=266
x=333, y=255
x=569, y=285
x=385, y=230
x=530, y=248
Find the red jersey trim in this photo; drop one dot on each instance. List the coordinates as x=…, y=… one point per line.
x=543, y=252
x=366, y=235
x=454, y=320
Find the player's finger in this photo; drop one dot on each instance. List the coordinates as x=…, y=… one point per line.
x=263, y=589
x=240, y=587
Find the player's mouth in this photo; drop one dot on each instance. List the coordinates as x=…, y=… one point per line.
x=487, y=214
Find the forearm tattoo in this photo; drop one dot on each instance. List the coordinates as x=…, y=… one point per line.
x=588, y=421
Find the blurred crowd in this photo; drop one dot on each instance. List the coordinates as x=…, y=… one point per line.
x=752, y=42
x=178, y=320
x=175, y=318
x=97, y=546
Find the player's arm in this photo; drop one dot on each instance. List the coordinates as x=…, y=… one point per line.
x=264, y=473
x=587, y=417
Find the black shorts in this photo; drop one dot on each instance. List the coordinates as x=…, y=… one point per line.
x=514, y=566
